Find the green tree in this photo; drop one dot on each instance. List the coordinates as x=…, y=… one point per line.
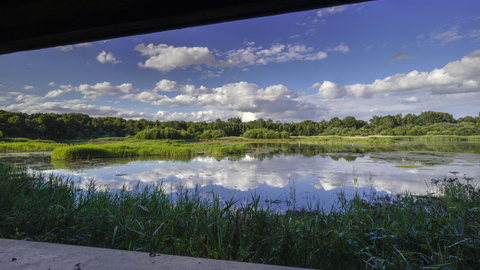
x=375, y=120
x=47, y=124
x=431, y=117
x=465, y=119
x=16, y=120
x=349, y=122
x=259, y=123
x=409, y=119
x=388, y=122
x=335, y=122
x=399, y=119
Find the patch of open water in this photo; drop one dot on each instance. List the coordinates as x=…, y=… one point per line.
x=283, y=175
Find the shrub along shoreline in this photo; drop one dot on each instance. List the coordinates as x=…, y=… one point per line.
x=372, y=232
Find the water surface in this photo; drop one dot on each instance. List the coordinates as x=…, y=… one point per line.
x=284, y=175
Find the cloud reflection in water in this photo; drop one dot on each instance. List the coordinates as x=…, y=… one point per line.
x=310, y=178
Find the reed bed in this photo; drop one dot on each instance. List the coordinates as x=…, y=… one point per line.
x=108, y=139
x=29, y=145
x=338, y=139
x=439, y=138
x=433, y=231
x=143, y=148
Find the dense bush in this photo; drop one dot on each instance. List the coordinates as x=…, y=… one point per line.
x=263, y=133
x=464, y=131
x=160, y=134
x=211, y=134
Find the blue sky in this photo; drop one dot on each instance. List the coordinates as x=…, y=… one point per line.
x=374, y=58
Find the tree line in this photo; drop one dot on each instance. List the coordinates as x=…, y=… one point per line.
x=77, y=126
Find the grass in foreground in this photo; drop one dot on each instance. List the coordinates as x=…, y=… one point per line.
x=436, y=232
x=143, y=148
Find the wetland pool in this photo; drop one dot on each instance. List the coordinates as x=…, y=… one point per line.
x=284, y=175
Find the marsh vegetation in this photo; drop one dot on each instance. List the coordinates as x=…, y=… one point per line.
x=435, y=230
x=143, y=148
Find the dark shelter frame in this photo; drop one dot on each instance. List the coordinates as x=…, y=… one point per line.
x=37, y=24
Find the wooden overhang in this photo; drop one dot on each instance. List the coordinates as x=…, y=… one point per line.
x=36, y=24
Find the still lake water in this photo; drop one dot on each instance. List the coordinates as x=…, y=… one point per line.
x=284, y=175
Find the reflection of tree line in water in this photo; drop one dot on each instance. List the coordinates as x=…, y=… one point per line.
x=287, y=149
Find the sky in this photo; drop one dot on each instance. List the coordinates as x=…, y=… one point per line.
x=373, y=58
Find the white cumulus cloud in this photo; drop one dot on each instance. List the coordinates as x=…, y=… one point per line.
x=100, y=89
x=244, y=97
x=59, y=92
x=172, y=86
x=275, y=101
x=29, y=99
x=166, y=58
x=104, y=57
x=279, y=53
x=207, y=115
x=28, y=87
x=159, y=100
x=461, y=76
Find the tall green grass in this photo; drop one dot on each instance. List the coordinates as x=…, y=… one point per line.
x=242, y=139
x=29, y=145
x=434, y=231
x=143, y=148
x=439, y=138
x=107, y=139
x=338, y=139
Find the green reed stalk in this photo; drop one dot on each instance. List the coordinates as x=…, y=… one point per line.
x=433, y=231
